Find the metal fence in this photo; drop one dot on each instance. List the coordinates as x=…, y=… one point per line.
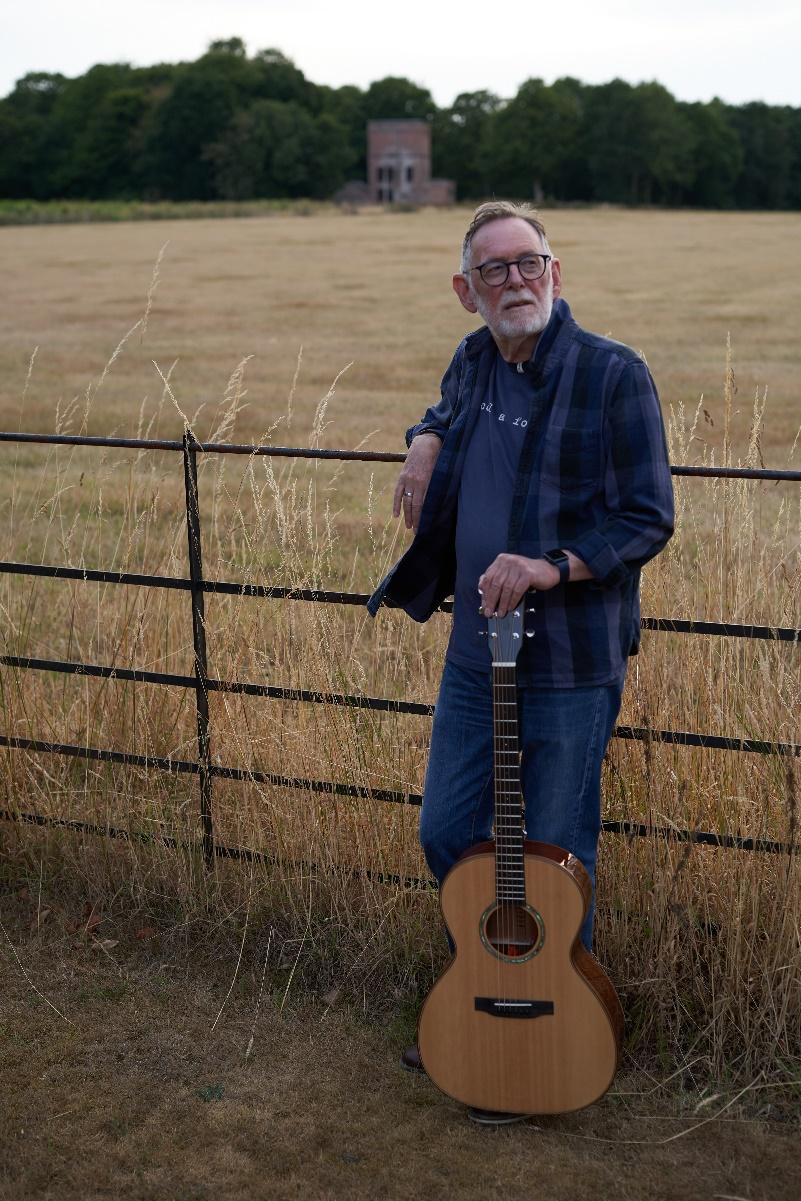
x=202, y=684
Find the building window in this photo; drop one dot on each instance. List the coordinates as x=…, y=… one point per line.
x=409, y=173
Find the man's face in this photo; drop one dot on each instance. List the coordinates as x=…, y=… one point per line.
x=520, y=307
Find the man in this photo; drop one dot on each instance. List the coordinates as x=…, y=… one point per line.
x=543, y=466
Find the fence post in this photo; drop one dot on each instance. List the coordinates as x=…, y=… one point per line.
x=199, y=640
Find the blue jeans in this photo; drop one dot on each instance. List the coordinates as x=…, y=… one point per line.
x=563, y=736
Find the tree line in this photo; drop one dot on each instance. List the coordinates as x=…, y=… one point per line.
x=235, y=127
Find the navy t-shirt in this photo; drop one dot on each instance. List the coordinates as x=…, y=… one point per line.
x=485, y=502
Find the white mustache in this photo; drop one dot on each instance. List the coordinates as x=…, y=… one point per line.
x=515, y=297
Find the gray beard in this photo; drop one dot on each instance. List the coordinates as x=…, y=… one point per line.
x=520, y=323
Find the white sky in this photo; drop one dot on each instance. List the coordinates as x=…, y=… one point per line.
x=739, y=50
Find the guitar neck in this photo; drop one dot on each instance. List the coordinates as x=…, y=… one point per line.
x=510, y=877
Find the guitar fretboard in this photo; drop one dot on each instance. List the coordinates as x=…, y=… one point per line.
x=510, y=880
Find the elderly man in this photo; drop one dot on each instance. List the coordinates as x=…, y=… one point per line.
x=543, y=466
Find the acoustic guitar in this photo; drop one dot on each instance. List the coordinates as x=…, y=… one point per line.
x=524, y=1019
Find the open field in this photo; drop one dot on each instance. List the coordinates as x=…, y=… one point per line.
x=374, y=291
x=703, y=945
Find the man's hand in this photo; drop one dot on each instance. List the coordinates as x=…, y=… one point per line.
x=506, y=581
x=410, y=491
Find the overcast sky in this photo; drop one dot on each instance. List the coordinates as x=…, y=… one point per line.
x=739, y=50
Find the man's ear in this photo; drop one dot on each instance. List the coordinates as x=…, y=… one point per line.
x=463, y=290
x=556, y=276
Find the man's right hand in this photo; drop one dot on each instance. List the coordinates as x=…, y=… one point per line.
x=410, y=491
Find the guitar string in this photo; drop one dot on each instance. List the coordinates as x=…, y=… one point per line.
x=495, y=802
x=509, y=832
x=509, y=850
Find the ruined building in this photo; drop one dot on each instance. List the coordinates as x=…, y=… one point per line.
x=399, y=167
x=399, y=164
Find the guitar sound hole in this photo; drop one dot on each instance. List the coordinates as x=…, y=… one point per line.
x=513, y=930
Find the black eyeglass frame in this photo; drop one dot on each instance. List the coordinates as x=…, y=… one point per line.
x=507, y=263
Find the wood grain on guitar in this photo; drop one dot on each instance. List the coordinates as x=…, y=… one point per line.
x=524, y=1019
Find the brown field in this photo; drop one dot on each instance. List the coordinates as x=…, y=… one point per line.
x=703, y=945
x=374, y=291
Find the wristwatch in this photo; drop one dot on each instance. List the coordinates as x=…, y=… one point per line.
x=559, y=560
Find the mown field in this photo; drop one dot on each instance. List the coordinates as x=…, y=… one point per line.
x=374, y=291
x=333, y=330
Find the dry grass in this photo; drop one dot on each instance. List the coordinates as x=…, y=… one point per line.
x=703, y=945
x=179, y=1069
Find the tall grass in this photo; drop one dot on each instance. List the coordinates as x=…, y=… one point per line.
x=704, y=944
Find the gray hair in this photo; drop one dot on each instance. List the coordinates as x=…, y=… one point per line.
x=496, y=210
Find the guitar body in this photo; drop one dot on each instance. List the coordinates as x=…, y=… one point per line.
x=524, y=1020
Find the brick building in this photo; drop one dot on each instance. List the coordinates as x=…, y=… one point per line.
x=399, y=165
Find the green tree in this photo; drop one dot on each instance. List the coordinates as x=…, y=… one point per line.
x=75, y=119
x=105, y=155
x=275, y=149
x=19, y=136
x=794, y=140
x=24, y=123
x=638, y=144
x=198, y=108
x=766, y=178
x=535, y=140
x=396, y=97
x=333, y=157
x=346, y=106
x=36, y=93
x=717, y=156
x=233, y=46
x=461, y=145
x=275, y=77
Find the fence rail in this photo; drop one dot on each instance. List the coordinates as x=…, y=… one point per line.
x=202, y=684
x=345, y=456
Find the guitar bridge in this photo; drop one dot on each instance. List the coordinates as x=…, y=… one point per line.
x=500, y=1008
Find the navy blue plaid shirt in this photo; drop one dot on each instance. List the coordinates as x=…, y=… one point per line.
x=593, y=478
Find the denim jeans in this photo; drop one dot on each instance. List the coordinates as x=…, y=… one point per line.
x=563, y=736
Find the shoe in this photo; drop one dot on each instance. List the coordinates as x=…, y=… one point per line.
x=492, y=1117
x=410, y=1060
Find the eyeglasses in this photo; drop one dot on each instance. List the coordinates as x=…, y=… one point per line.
x=495, y=272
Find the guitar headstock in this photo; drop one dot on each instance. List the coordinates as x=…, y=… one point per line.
x=506, y=633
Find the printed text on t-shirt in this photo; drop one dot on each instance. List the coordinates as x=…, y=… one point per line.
x=487, y=406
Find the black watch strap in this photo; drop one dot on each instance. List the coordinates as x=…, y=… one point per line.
x=559, y=559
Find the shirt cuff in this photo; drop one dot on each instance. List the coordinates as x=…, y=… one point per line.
x=412, y=433
x=601, y=557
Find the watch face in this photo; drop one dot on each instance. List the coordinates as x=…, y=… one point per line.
x=559, y=560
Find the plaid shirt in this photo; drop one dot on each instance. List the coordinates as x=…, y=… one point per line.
x=593, y=479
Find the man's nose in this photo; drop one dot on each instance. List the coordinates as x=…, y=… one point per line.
x=515, y=277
